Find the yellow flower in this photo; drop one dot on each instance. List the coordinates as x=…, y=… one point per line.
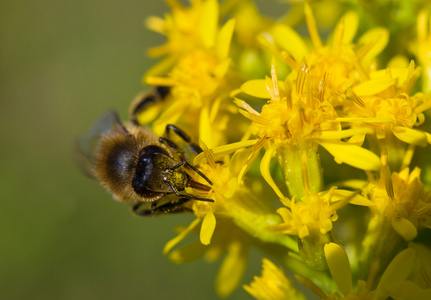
x=331, y=94
x=222, y=190
x=197, y=69
x=186, y=29
x=312, y=214
x=311, y=218
x=232, y=199
x=229, y=240
x=340, y=62
x=273, y=284
x=383, y=104
x=294, y=122
x=228, y=224
x=402, y=200
x=199, y=89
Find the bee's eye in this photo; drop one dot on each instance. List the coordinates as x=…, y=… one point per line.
x=144, y=171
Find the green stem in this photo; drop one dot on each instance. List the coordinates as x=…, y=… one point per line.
x=381, y=245
x=301, y=168
x=256, y=225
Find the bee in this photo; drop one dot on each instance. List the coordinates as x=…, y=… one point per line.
x=140, y=168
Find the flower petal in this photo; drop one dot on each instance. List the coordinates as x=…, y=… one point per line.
x=224, y=150
x=266, y=174
x=172, y=243
x=190, y=252
x=342, y=134
x=256, y=88
x=224, y=39
x=397, y=271
x=373, y=86
x=207, y=228
x=410, y=136
x=404, y=228
x=208, y=27
x=353, y=155
x=339, y=266
x=355, y=198
x=351, y=22
x=156, y=24
x=375, y=40
x=232, y=269
x=290, y=41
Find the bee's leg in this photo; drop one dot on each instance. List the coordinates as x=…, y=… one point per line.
x=169, y=143
x=170, y=207
x=194, y=147
x=145, y=100
x=137, y=210
x=178, y=131
x=184, y=162
x=187, y=196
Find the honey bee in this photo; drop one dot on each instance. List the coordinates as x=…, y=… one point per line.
x=140, y=168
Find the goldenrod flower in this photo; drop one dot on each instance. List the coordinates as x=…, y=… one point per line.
x=233, y=200
x=228, y=240
x=186, y=29
x=341, y=62
x=294, y=122
x=344, y=92
x=224, y=223
x=311, y=218
x=383, y=103
x=315, y=212
x=402, y=200
x=273, y=284
x=198, y=70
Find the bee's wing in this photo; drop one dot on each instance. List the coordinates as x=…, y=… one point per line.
x=86, y=145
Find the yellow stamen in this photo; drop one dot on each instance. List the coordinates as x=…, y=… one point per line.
x=357, y=100
x=322, y=85
x=208, y=155
x=302, y=77
x=276, y=93
x=385, y=174
x=289, y=61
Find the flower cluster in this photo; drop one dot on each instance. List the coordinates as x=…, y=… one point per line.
x=317, y=145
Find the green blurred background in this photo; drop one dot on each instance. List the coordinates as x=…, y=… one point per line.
x=62, y=64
